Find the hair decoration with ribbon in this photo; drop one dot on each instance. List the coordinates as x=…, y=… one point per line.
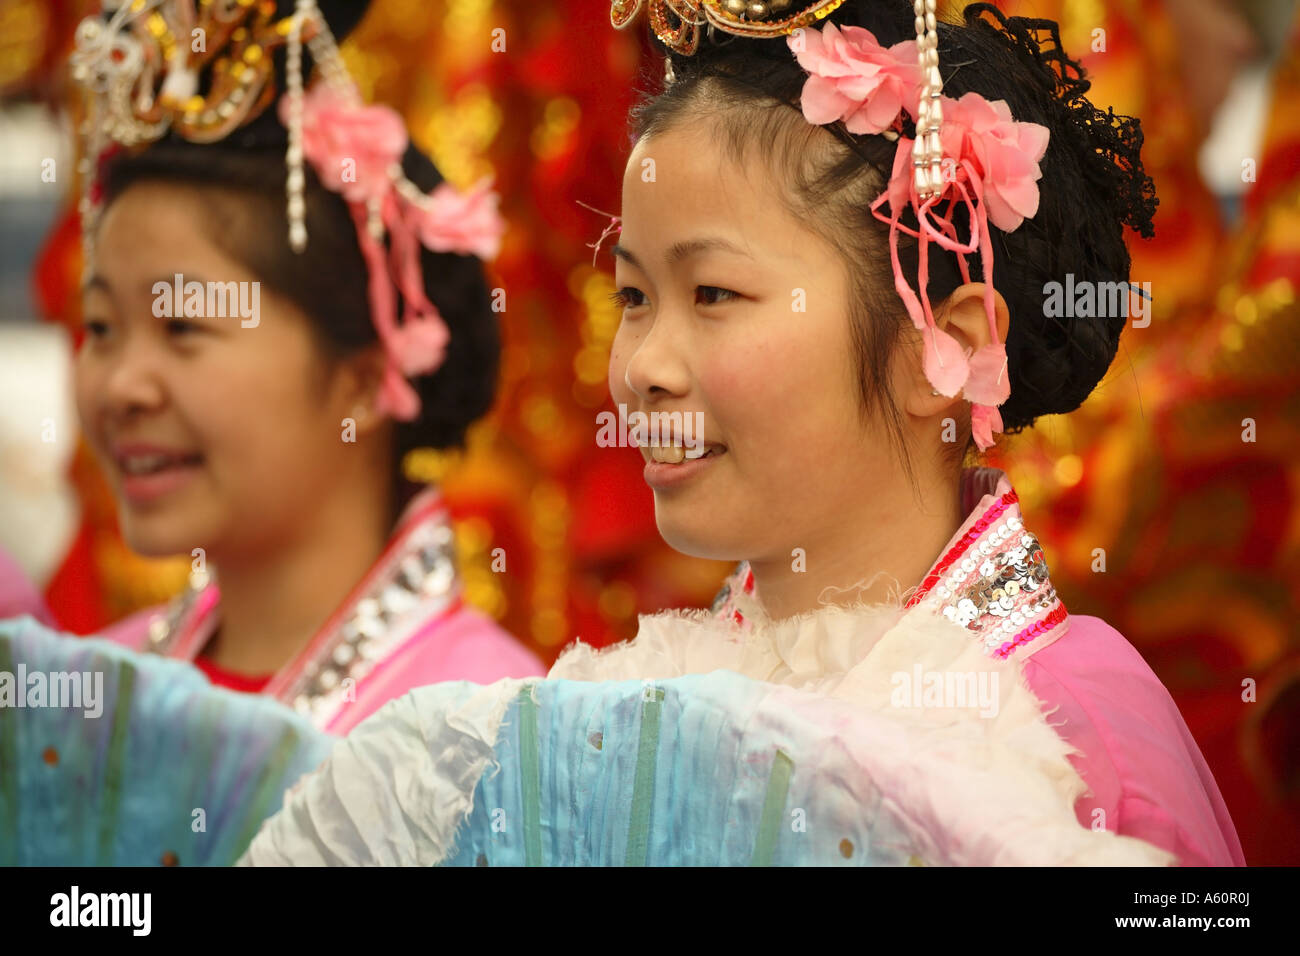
x=967, y=152
x=141, y=76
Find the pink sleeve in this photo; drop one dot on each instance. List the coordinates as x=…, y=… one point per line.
x=18, y=596
x=1145, y=773
x=466, y=646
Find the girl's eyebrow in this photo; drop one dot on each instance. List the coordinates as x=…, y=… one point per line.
x=684, y=249
x=96, y=281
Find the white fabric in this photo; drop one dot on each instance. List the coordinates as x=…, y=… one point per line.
x=395, y=790
x=1007, y=758
x=980, y=782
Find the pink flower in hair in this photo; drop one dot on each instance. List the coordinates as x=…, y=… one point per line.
x=465, y=222
x=419, y=345
x=854, y=78
x=1005, y=152
x=350, y=145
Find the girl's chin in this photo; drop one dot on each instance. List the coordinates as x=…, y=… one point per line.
x=705, y=538
x=160, y=535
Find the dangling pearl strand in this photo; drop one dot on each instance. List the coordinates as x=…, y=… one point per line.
x=294, y=183
x=927, y=150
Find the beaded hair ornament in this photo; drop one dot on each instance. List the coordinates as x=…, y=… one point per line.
x=967, y=152
x=141, y=67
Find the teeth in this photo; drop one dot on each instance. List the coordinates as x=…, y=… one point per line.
x=676, y=454
x=668, y=454
x=144, y=464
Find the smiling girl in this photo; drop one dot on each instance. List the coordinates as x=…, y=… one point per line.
x=838, y=221
x=774, y=278
x=269, y=447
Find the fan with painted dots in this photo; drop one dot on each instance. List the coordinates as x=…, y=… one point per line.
x=707, y=769
x=114, y=758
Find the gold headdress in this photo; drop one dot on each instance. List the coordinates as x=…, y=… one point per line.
x=677, y=24
x=142, y=69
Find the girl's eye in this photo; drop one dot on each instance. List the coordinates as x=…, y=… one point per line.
x=712, y=294
x=95, y=328
x=628, y=298
x=180, y=327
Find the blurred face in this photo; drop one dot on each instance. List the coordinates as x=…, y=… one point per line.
x=736, y=310
x=212, y=434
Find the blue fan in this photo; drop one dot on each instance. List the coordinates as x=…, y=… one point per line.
x=714, y=770
x=110, y=757
x=708, y=769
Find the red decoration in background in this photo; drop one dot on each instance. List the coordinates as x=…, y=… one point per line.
x=1198, y=526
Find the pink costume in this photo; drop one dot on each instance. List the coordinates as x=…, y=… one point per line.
x=18, y=596
x=404, y=625
x=1145, y=775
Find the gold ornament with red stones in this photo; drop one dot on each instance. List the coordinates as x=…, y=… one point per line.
x=677, y=22
x=144, y=64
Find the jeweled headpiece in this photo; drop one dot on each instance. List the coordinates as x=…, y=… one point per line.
x=142, y=69
x=967, y=152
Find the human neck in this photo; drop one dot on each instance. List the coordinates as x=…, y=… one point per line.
x=274, y=602
x=892, y=532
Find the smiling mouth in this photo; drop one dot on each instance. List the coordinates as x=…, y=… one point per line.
x=152, y=464
x=676, y=454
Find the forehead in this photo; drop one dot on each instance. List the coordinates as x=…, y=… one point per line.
x=156, y=229
x=681, y=183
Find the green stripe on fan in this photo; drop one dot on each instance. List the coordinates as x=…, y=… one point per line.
x=200, y=753
x=8, y=768
x=114, y=771
x=269, y=787
x=647, y=754
x=769, y=825
x=531, y=778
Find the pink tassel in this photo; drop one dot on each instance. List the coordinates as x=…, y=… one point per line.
x=984, y=421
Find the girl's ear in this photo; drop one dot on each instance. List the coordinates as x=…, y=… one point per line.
x=962, y=316
x=356, y=387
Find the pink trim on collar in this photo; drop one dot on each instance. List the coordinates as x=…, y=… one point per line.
x=991, y=577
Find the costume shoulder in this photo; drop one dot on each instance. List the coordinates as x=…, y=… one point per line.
x=468, y=645
x=1143, y=768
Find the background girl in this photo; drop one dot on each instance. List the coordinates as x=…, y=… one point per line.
x=270, y=447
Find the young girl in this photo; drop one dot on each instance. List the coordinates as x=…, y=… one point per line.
x=837, y=239
x=244, y=379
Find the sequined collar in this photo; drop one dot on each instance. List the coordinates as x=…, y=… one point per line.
x=991, y=578
x=412, y=582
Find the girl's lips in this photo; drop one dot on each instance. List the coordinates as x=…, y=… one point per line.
x=143, y=489
x=660, y=476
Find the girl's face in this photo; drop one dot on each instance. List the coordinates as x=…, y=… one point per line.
x=214, y=432
x=737, y=310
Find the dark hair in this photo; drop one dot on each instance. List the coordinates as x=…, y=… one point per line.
x=1092, y=184
x=241, y=181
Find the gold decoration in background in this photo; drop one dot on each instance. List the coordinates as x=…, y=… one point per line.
x=549, y=508
x=24, y=39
